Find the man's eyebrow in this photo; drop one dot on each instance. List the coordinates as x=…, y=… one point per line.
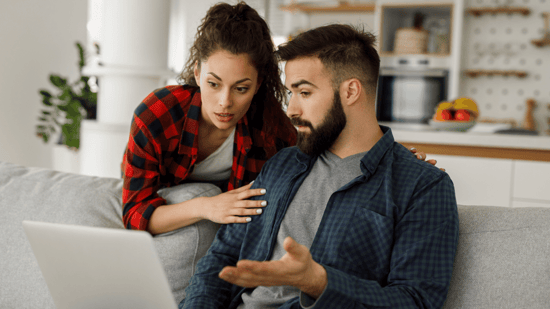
x=302, y=82
x=237, y=82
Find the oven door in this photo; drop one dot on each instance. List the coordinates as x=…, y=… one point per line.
x=410, y=95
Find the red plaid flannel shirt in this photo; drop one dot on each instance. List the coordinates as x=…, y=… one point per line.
x=162, y=149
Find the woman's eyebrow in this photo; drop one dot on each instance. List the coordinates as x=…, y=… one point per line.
x=237, y=82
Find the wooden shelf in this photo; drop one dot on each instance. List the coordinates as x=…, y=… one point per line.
x=499, y=10
x=476, y=73
x=482, y=152
x=343, y=7
x=546, y=39
x=542, y=42
x=435, y=55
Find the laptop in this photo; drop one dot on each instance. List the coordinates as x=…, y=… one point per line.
x=91, y=267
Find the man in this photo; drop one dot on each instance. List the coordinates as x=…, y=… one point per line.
x=352, y=220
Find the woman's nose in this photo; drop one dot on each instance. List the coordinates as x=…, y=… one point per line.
x=226, y=100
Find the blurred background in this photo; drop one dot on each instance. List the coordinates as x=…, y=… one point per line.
x=494, y=52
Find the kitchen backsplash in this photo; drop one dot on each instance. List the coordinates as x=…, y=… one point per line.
x=503, y=42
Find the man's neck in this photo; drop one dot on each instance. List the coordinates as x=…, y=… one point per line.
x=351, y=142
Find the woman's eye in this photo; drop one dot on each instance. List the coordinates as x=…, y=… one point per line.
x=289, y=93
x=212, y=84
x=242, y=89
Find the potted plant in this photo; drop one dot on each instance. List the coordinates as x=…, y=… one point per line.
x=65, y=110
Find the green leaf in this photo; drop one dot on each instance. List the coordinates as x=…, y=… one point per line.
x=58, y=81
x=71, y=132
x=45, y=93
x=47, y=101
x=81, y=56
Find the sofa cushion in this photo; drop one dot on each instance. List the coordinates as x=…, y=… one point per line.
x=503, y=258
x=50, y=196
x=180, y=250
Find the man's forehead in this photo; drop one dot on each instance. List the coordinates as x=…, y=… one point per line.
x=308, y=69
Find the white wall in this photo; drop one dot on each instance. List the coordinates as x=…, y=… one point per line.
x=37, y=39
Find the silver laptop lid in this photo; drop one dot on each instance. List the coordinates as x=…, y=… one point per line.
x=90, y=267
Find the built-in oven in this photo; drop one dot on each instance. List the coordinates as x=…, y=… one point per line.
x=410, y=94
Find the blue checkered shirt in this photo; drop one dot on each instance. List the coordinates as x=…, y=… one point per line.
x=387, y=238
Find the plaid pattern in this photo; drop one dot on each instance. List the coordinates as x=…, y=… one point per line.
x=162, y=149
x=387, y=239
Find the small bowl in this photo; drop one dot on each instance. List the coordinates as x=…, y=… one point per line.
x=452, y=125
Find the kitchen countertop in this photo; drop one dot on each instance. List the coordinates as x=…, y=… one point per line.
x=476, y=142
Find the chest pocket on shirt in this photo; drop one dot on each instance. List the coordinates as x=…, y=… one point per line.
x=367, y=243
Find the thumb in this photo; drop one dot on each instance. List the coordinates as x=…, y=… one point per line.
x=292, y=247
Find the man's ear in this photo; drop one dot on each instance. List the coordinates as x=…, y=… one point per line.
x=351, y=91
x=197, y=72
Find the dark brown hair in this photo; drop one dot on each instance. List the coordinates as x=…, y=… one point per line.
x=239, y=29
x=346, y=51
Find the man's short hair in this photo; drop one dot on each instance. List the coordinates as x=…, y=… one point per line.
x=346, y=51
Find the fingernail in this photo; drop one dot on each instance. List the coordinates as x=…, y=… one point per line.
x=263, y=191
x=412, y=148
x=264, y=203
x=252, y=182
x=259, y=211
x=248, y=219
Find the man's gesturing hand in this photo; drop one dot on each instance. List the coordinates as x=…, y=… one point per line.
x=296, y=268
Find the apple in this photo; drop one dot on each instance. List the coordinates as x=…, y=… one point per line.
x=462, y=115
x=443, y=115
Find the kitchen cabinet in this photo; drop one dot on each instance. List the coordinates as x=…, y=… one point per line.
x=478, y=181
x=486, y=169
x=437, y=19
x=531, y=183
x=497, y=182
x=444, y=21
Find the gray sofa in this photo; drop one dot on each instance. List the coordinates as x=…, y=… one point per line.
x=503, y=258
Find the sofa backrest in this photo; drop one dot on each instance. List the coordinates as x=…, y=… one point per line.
x=503, y=259
x=45, y=195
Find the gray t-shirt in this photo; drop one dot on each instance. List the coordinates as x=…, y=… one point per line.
x=302, y=219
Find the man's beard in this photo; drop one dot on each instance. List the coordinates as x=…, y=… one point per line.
x=322, y=137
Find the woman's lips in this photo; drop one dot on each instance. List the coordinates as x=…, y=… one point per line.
x=224, y=117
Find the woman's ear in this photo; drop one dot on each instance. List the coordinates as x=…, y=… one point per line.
x=351, y=91
x=197, y=72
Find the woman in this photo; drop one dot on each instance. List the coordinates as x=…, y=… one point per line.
x=221, y=127
x=228, y=113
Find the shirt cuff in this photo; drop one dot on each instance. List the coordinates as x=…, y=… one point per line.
x=308, y=302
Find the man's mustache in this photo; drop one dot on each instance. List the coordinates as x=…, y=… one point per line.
x=301, y=122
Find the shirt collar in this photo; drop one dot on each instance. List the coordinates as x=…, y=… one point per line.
x=372, y=158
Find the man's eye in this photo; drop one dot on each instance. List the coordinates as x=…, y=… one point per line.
x=305, y=94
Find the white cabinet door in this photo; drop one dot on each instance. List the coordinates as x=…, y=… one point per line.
x=532, y=181
x=478, y=181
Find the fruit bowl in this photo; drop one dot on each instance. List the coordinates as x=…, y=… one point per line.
x=452, y=125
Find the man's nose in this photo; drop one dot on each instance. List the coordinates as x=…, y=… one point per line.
x=293, y=110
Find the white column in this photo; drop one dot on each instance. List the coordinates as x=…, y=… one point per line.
x=133, y=62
